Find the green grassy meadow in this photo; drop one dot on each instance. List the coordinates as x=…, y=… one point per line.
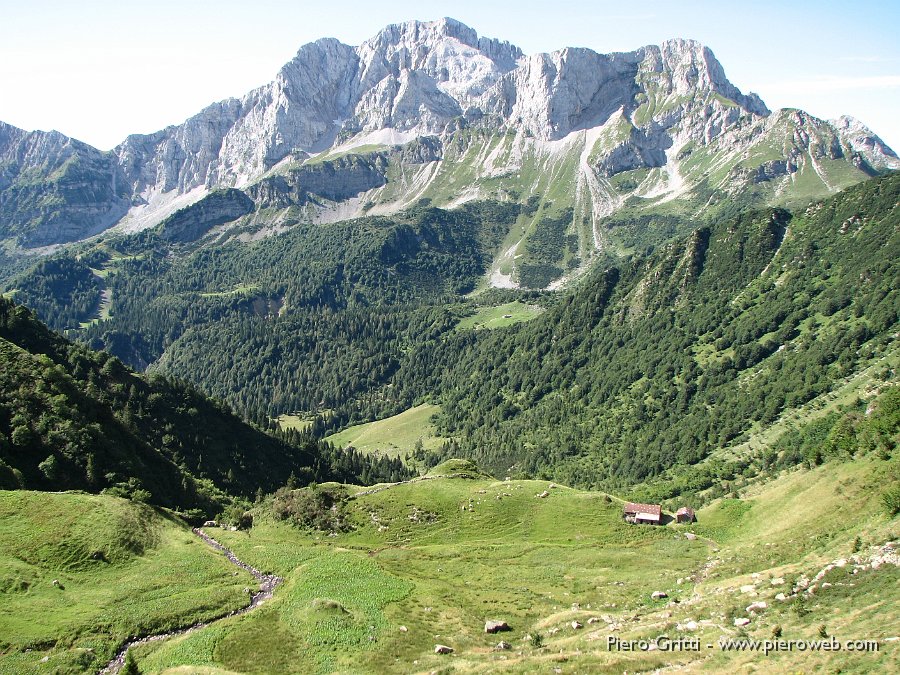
x=394, y=436
x=122, y=569
x=297, y=422
x=499, y=316
x=428, y=562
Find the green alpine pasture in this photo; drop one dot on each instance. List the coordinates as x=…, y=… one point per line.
x=500, y=316
x=428, y=562
x=80, y=574
x=395, y=436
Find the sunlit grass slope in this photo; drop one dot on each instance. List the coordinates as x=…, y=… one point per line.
x=79, y=574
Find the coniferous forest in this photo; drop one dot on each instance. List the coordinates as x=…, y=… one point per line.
x=648, y=364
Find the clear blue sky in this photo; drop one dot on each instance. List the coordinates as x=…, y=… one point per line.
x=101, y=69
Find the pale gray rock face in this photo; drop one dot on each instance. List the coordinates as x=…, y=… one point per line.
x=864, y=141
x=55, y=189
x=572, y=89
x=550, y=95
x=230, y=142
x=692, y=67
x=413, y=76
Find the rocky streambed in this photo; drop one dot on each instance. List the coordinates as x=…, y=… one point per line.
x=267, y=585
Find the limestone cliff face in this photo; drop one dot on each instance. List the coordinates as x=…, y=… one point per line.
x=54, y=189
x=335, y=180
x=218, y=207
x=425, y=79
x=410, y=77
x=863, y=141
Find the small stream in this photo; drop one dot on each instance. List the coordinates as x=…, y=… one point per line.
x=267, y=584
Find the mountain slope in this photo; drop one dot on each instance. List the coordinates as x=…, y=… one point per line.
x=71, y=418
x=430, y=562
x=82, y=573
x=340, y=133
x=55, y=189
x=661, y=359
x=656, y=360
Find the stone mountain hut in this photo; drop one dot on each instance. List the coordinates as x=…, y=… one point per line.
x=685, y=515
x=650, y=514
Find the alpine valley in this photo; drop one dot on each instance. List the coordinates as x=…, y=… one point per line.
x=408, y=325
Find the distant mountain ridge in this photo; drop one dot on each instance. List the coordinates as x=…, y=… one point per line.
x=630, y=131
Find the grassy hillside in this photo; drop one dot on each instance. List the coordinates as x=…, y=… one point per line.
x=396, y=436
x=428, y=562
x=81, y=573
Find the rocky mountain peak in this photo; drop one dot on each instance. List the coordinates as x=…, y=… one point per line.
x=421, y=38
x=693, y=67
x=461, y=64
x=865, y=142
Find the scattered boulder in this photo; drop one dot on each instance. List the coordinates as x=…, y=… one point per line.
x=659, y=595
x=503, y=645
x=690, y=535
x=757, y=606
x=748, y=588
x=742, y=621
x=688, y=626
x=443, y=649
x=210, y=523
x=781, y=597
x=403, y=629
x=594, y=619
x=544, y=494
x=495, y=626
x=777, y=581
x=576, y=625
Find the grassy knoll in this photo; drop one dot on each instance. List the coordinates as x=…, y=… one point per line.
x=393, y=436
x=792, y=528
x=499, y=316
x=121, y=569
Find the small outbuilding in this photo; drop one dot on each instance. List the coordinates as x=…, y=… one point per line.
x=685, y=515
x=650, y=514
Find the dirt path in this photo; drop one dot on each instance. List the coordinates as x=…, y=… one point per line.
x=267, y=584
